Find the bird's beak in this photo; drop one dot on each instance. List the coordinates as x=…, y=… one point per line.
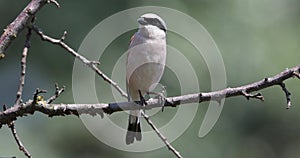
x=142, y=21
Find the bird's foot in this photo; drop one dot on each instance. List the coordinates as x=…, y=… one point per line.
x=160, y=96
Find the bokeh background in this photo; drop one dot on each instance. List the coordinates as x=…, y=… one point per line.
x=257, y=39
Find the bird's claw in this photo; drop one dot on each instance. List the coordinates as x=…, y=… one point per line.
x=161, y=98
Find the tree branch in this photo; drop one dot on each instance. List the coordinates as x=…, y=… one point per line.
x=91, y=64
x=21, y=22
x=51, y=110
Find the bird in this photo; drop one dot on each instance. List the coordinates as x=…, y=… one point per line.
x=146, y=58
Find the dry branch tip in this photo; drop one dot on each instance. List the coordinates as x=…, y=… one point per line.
x=54, y=2
x=256, y=95
x=287, y=95
x=63, y=37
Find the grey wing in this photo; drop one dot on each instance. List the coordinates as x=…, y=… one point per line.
x=133, y=42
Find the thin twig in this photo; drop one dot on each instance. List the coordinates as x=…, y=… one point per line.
x=162, y=137
x=23, y=68
x=287, y=95
x=256, y=95
x=17, y=139
x=11, y=124
x=54, y=2
x=91, y=64
x=58, y=91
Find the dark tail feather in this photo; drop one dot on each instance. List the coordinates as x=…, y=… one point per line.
x=133, y=130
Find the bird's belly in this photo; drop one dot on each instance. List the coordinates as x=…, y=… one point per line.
x=145, y=77
x=145, y=66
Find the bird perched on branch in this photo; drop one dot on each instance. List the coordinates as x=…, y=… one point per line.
x=145, y=66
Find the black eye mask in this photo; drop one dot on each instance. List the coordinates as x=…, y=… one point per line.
x=155, y=22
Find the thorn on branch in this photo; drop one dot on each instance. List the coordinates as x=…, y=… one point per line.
x=54, y=2
x=58, y=91
x=287, y=95
x=4, y=107
x=256, y=95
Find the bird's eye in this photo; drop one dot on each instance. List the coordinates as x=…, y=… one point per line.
x=156, y=21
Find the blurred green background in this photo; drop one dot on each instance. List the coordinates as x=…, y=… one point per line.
x=257, y=39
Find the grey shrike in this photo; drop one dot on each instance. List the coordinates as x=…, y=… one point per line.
x=145, y=65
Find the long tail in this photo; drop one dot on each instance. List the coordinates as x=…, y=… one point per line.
x=134, y=128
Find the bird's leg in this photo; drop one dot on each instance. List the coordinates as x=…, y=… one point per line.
x=142, y=99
